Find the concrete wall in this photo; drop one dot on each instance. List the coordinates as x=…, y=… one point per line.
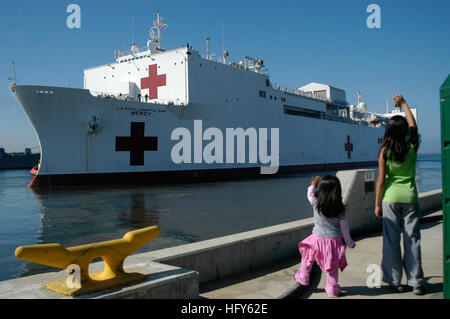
x=358, y=192
x=219, y=257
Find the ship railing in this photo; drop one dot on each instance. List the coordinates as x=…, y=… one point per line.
x=135, y=50
x=345, y=119
x=141, y=99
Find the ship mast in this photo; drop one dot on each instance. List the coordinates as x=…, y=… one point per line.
x=13, y=79
x=158, y=24
x=208, y=56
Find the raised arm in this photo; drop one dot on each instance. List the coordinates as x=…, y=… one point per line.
x=399, y=100
x=312, y=189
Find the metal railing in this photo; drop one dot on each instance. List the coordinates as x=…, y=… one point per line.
x=141, y=99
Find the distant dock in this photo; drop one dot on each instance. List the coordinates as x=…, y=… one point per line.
x=18, y=160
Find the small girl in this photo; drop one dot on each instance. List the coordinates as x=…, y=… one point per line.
x=324, y=246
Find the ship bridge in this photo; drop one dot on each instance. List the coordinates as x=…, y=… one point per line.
x=336, y=101
x=155, y=76
x=150, y=74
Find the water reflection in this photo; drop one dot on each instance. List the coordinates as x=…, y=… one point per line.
x=86, y=215
x=140, y=215
x=80, y=216
x=185, y=213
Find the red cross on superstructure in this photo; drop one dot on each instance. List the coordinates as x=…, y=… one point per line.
x=137, y=143
x=348, y=147
x=153, y=81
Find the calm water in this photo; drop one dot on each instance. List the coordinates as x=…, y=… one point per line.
x=185, y=213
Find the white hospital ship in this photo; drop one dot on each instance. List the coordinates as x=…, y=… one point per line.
x=118, y=129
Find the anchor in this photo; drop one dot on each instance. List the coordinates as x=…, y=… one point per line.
x=76, y=261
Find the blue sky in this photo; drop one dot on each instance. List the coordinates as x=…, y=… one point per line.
x=299, y=41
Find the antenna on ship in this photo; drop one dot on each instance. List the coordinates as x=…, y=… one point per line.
x=208, y=56
x=387, y=106
x=134, y=47
x=225, y=54
x=13, y=79
x=158, y=24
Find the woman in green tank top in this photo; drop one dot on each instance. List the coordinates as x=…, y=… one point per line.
x=397, y=201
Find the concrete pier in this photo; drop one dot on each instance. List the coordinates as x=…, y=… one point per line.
x=255, y=264
x=273, y=280
x=353, y=278
x=163, y=282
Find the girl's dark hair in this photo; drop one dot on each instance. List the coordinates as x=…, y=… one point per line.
x=395, y=142
x=329, y=197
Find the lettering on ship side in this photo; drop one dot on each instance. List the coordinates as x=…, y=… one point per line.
x=348, y=147
x=137, y=143
x=153, y=81
x=139, y=111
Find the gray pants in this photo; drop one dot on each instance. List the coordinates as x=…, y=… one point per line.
x=398, y=218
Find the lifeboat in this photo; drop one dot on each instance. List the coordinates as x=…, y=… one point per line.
x=34, y=170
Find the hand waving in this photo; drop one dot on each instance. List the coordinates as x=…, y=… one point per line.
x=315, y=181
x=399, y=100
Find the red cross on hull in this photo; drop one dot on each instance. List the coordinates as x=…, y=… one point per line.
x=153, y=81
x=348, y=147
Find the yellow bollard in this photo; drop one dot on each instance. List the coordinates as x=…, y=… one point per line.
x=80, y=281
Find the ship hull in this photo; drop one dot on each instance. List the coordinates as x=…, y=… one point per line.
x=179, y=177
x=71, y=153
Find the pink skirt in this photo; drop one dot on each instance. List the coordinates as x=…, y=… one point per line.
x=327, y=252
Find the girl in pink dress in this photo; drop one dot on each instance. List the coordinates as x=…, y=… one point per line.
x=325, y=246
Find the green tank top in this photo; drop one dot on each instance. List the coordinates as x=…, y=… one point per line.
x=400, y=184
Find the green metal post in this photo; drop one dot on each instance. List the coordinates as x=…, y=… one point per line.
x=445, y=153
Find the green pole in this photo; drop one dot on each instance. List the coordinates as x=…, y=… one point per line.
x=445, y=153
